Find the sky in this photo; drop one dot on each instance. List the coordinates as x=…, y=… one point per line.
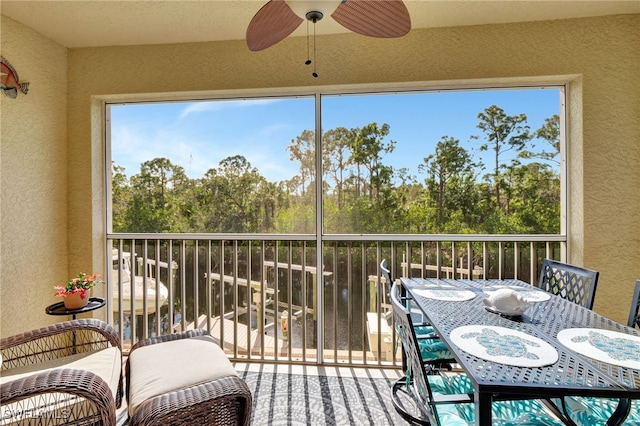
x=198, y=135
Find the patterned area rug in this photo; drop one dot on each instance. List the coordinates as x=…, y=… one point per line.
x=308, y=395
x=322, y=396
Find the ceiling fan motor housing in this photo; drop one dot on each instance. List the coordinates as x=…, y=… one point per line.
x=314, y=16
x=325, y=7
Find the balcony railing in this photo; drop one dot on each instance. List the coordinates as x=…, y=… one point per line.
x=264, y=298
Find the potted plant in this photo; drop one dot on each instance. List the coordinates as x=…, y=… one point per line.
x=76, y=291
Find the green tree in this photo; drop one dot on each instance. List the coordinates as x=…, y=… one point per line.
x=246, y=196
x=303, y=150
x=535, y=200
x=502, y=133
x=336, y=158
x=549, y=133
x=120, y=199
x=156, y=197
x=366, y=151
x=449, y=179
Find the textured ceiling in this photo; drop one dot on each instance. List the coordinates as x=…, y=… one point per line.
x=131, y=22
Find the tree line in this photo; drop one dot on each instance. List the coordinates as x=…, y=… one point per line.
x=517, y=192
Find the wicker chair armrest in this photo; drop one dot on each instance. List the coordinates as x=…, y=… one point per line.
x=33, y=346
x=226, y=401
x=101, y=328
x=81, y=383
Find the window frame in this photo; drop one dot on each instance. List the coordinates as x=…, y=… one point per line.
x=318, y=95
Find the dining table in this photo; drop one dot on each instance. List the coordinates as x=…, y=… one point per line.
x=553, y=349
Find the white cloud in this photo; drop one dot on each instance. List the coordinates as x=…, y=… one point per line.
x=209, y=106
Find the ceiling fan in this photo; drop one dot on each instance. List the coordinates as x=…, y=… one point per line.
x=375, y=18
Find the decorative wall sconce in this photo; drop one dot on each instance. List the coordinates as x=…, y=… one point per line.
x=10, y=83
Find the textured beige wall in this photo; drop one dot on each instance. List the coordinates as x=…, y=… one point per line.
x=598, y=57
x=33, y=171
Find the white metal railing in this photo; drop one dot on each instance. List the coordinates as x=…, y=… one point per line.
x=263, y=299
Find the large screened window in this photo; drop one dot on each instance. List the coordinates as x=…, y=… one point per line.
x=219, y=166
x=443, y=162
x=414, y=162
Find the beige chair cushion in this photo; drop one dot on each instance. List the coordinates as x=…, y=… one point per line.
x=169, y=366
x=106, y=363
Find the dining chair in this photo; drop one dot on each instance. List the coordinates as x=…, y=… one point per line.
x=446, y=398
x=587, y=411
x=433, y=350
x=416, y=311
x=573, y=283
x=634, y=311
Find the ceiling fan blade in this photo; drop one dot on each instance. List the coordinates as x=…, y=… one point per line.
x=273, y=23
x=374, y=18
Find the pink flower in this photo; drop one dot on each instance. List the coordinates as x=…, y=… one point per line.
x=80, y=284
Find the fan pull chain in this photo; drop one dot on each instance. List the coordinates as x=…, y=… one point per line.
x=313, y=16
x=315, y=74
x=308, y=61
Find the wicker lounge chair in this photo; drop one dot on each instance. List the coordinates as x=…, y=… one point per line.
x=67, y=373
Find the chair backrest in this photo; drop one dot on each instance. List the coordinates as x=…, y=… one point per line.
x=634, y=312
x=415, y=368
x=570, y=282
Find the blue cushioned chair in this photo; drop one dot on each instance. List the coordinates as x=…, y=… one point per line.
x=592, y=411
x=446, y=398
x=574, y=283
x=597, y=411
x=434, y=352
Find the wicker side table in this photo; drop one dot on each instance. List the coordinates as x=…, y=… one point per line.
x=196, y=390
